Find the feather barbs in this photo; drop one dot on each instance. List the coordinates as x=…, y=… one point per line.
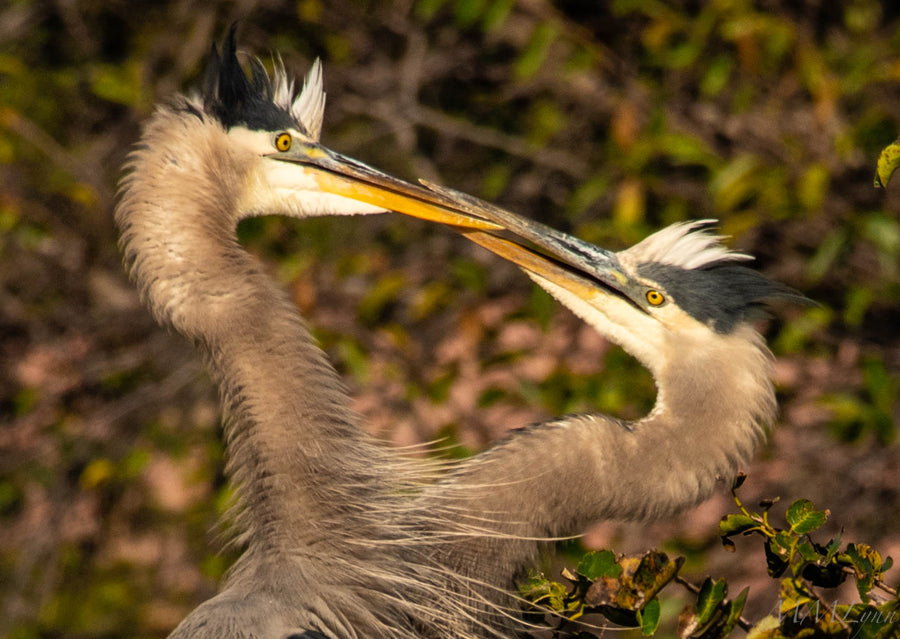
x=687, y=245
x=261, y=101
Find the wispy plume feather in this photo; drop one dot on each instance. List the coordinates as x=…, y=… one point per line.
x=687, y=245
x=309, y=106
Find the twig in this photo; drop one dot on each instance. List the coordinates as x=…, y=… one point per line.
x=481, y=135
x=485, y=136
x=56, y=153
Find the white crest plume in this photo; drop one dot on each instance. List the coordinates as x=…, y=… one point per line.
x=283, y=85
x=309, y=106
x=687, y=245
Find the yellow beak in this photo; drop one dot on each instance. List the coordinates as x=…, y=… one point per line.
x=559, y=258
x=578, y=266
x=349, y=178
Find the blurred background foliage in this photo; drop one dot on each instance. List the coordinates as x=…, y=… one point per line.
x=608, y=120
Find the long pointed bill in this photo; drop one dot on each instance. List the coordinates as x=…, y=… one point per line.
x=563, y=259
x=349, y=178
x=573, y=281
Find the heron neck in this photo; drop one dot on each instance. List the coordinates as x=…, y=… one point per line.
x=302, y=467
x=558, y=478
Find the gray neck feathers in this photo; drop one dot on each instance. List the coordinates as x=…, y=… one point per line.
x=301, y=464
x=558, y=478
x=325, y=515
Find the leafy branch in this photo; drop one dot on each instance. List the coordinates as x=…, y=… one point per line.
x=803, y=610
x=624, y=589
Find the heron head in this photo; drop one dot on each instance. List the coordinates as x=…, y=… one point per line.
x=677, y=296
x=274, y=130
x=677, y=290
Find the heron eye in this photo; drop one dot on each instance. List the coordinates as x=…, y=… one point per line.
x=283, y=141
x=655, y=297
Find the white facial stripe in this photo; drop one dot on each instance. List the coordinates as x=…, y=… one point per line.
x=288, y=188
x=259, y=142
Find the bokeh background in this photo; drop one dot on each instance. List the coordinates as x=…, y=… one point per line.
x=608, y=120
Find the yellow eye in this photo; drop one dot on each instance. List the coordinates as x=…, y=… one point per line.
x=655, y=297
x=283, y=141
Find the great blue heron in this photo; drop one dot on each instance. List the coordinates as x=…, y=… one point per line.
x=341, y=536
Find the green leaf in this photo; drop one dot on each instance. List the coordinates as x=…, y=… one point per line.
x=717, y=76
x=828, y=253
x=683, y=149
x=381, y=296
x=888, y=161
x=600, y=563
x=856, y=304
x=535, y=51
x=868, y=566
x=781, y=544
x=767, y=628
x=428, y=8
x=495, y=14
x=869, y=622
x=735, y=182
x=648, y=617
x=883, y=230
x=833, y=547
x=778, y=553
x=354, y=357
x=467, y=12
x=791, y=597
x=808, y=552
x=540, y=590
x=734, y=610
x=812, y=187
x=804, y=518
x=712, y=593
x=654, y=571
x=117, y=83
x=736, y=524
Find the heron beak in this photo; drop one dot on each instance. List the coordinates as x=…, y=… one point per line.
x=557, y=257
x=349, y=178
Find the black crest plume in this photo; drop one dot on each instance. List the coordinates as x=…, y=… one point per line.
x=234, y=99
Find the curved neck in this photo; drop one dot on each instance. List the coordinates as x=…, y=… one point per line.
x=301, y=465
x=558, y=478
